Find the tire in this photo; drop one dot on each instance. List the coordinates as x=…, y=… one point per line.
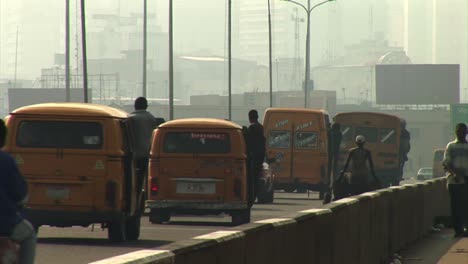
x=158, y=216
x=269, y=196
x=116, y=231
x=262, y=193
x=133, y=227
x=241, y=217
x=321, y=195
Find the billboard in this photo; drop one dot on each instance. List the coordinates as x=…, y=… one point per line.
x=458, y=114
x=417, y=84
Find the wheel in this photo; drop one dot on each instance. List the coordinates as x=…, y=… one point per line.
x=116, y=231
x=133, y=227
x=262, y=193
x=158, y=216
x=241, y=217
x=269, y=196
x=321, y=195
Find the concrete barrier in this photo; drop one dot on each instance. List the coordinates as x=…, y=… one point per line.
x=364, y=229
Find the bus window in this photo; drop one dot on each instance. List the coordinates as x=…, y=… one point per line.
x=347, y=133
x=387, y=136
x=60, y=134
x=279, y=139
x=306, y=140
x=370, y=133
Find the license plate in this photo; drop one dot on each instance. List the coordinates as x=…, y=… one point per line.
x=196, y=187
x=58, y=193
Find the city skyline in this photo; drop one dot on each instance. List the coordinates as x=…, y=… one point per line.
x=425, y=30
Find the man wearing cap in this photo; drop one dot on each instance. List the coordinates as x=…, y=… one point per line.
x=361, y=163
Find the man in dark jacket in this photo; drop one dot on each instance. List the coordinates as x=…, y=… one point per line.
x=405, y=147
x=141, y=123
x=13, y=195
x=255, y=149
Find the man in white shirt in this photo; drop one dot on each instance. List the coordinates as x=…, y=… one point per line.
x=456, y=163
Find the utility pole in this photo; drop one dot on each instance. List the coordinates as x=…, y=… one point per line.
x=307, y=68
x=67, y=50
x=16, y=55
x=145, y=32
x=307, y=80
x=270, y=54
x=1, y=39
x=83, y=46
x=171, y=64
x=229, y=59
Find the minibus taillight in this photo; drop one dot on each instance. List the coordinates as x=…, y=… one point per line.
x=111, y=191
x=238, y=187
x=154, y=186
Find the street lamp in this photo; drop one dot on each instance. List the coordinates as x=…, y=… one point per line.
x=145, y=43
x=308, y=10
x=270, y=68
x=83, y=47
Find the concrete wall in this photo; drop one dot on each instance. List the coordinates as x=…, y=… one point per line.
x=365, y=229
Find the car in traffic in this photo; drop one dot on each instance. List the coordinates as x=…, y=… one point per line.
x=78, y=165
x=198, y=166
x=425, y=173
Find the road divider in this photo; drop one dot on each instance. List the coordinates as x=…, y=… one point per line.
x=365, y=229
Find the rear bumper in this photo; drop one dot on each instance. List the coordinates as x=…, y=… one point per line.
x=61, y=218
x=175, y=205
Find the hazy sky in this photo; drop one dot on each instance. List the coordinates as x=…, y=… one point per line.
x=199, y=27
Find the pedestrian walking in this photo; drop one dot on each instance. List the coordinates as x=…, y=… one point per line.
x=361, y=165
x=456, y=164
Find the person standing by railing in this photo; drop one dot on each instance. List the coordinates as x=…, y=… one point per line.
x=456, y=164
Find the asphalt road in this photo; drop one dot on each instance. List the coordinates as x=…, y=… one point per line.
x=83, y=245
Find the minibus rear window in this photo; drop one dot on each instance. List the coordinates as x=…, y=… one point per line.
x=59, y=134
x=370, y=133
x=306, y=140
x=347, y=133
x=387, y=136
x=279, y=139
x=197, y=142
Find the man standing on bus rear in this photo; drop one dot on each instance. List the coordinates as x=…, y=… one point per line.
x=13, y=195
x=142, y=124
x=334, y=142
x=456, y=164
x=359, y=158
x=405, y=147
x=255, y=150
